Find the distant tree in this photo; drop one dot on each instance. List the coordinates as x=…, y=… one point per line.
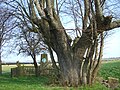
x=78, y=59
x=6, y=26
x=29, y=44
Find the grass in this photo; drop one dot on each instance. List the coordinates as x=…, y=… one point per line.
x=42, y=83
x=37, y=83
x=22, y=83
x=111, y=69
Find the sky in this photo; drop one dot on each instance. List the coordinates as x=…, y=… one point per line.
x=112, y=44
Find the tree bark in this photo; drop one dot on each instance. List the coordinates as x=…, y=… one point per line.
x=96, y=66
x=35, y=65
x=69, y=72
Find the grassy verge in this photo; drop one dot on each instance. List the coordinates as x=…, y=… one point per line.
x=37, y=83
x=41, y=83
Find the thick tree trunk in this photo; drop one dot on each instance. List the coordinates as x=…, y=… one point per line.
x=73, y=70
x=69, y=73
x=76, y=72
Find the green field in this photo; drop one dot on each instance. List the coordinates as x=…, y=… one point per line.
x=42, y=83
x=110, y=69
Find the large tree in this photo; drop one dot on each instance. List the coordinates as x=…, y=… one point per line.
x=78, y=60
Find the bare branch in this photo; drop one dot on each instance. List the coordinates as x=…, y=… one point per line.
x=81, y=10
x=86, y=13
x=102, y=2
